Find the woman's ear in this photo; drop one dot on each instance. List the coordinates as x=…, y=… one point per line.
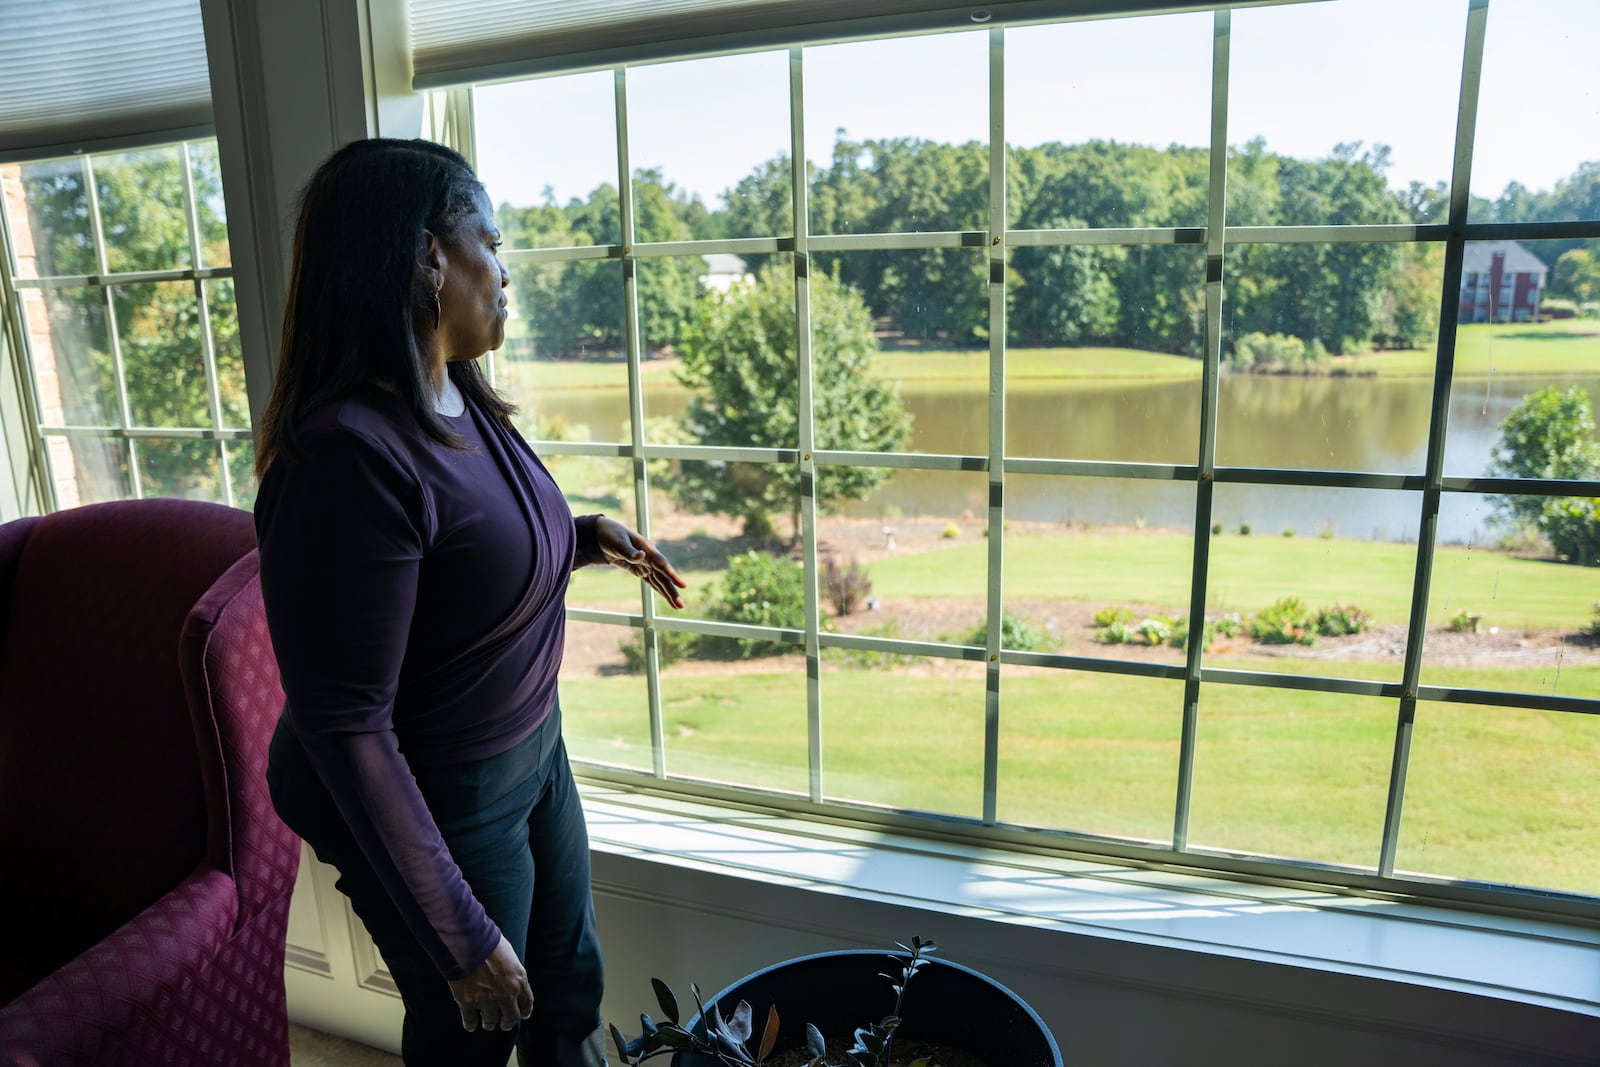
x=432, y=260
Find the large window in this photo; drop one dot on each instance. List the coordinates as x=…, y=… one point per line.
x=119, y=266
x=1078, y=432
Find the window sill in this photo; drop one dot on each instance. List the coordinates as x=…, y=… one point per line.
x=1283, y=950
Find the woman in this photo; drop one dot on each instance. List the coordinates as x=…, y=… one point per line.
x=414, y=557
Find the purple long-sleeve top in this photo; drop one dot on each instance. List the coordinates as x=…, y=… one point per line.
x=414, y=594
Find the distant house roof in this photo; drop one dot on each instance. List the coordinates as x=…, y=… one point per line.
x=1479, y=255
x=725, y=263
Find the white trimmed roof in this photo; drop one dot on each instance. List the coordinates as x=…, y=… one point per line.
x=1479, y=255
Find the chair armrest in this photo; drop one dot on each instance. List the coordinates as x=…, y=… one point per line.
x=83, y=1011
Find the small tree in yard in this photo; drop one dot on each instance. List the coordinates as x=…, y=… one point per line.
x=739, y=358
x=1551, y=435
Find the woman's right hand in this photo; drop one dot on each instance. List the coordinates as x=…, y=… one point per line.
x=497, y=993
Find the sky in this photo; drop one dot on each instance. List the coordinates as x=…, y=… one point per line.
x=1304, y=77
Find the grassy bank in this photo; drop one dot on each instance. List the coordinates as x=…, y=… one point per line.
x=1492, y=794
x=1571, y=346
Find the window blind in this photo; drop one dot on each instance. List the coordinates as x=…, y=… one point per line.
x=459, y=41
x=77, y=72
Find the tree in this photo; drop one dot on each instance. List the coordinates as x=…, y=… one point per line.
x=1577, y=275
x=739, y=357
x=1550, y=434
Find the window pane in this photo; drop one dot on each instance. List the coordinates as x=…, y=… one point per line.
x=1099, y=365
x=717, y=514
x=1503, y=607
x=48, y=208
x=563, y=363
x=1537, y=163
x=550, y=146
x=141, y=209
x=1094, y=753
x=898, y=132
x=1291, y=773
x=1074, y=160
x=210, y=208
x=683, y=165
x=185, y=469
x=1100, y=566
x=917, y=318
x=159, y=328
x=72, y=356
x=733, y=720
x=1517, y=380
x=1505, y=795
x=920, y=534
x=1314, y=593
x=1329, y=355
x=1316, y=143
x=733, y=379
x=749, y=346
x=605, y=710
x=908, y=736
x=224, y=311
x=90, y=470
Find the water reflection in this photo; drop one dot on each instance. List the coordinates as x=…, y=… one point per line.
x=1352, y=424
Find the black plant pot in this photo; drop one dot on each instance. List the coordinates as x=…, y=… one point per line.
x=840, y=991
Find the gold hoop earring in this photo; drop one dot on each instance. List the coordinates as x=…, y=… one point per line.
x=436, y=309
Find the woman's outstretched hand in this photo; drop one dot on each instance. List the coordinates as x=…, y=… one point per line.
x=634, y=553
x=497, y=993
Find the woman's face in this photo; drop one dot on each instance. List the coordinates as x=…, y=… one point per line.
x=472, y=303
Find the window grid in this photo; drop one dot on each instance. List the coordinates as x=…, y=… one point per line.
x=107, y=282
x=1217, y=236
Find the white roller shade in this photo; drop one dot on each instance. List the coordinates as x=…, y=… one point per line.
x=459, y=41
x=76, y=72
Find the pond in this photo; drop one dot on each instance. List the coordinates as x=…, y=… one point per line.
x=1375, y=425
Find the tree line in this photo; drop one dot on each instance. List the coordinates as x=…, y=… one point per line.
x=1338, y=298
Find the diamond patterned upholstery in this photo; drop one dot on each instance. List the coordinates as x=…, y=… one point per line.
x=145, y=899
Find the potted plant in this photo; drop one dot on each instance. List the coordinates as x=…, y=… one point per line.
x=818, y=1011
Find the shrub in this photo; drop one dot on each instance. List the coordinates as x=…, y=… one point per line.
x=1244, y=529
x=1155, y=631
x=1107, y=616
x=758, y=590
x=951, y=531
x=1216, y=529
x=1342, y=619
x=1572, y=526
x=1114, y=633
x=1288, y=531
x=844, y=587
x=1287, y=622
x=1015, y=633
x=1230, y=625
x=1464, y=621
x=1591, y=629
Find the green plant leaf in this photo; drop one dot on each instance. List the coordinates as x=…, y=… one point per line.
x=664, y=997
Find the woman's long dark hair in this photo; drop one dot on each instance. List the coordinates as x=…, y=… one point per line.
x=357, y=284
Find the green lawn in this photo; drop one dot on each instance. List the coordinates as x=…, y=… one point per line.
x=1247, y=574
x=1492, y=794
x=1570, y=346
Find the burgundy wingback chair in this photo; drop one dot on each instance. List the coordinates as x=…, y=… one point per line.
x=144, y=876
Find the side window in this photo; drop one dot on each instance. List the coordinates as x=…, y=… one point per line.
x=124, y=285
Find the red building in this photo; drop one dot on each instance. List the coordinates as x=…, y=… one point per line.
x=1500, y=282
